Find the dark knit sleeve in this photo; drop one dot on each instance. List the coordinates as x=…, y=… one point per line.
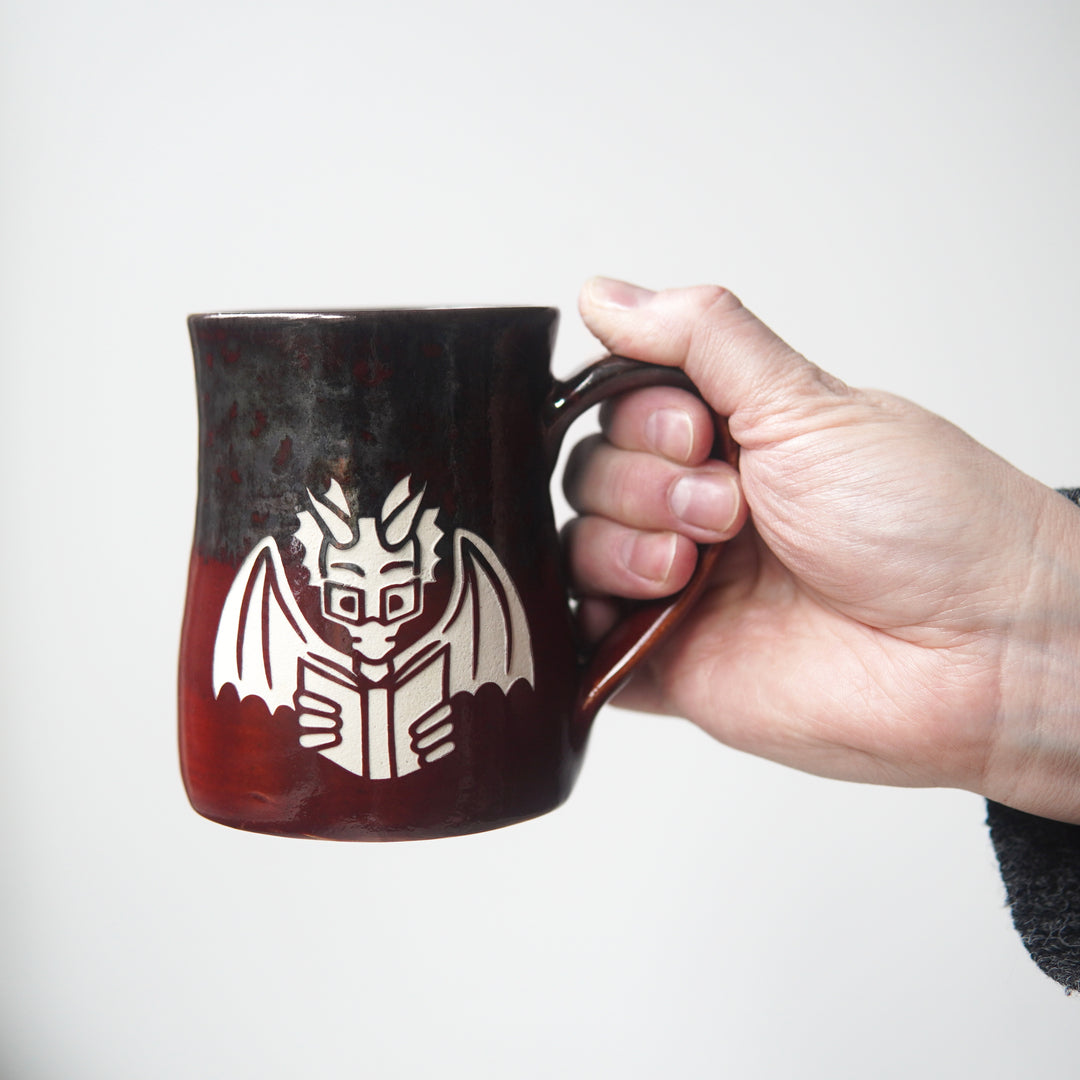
x=1040, y=865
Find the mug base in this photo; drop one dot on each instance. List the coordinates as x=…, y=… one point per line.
x=369, y=832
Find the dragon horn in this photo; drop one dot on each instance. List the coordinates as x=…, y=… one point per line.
x=338, y=530
x=395, y=500
x=336, y=497
x=399, y=520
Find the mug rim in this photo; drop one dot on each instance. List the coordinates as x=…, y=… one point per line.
x=345, y=314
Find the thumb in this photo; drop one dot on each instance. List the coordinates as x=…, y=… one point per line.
x=743, y=370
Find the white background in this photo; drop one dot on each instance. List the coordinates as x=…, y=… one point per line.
x=892, y=186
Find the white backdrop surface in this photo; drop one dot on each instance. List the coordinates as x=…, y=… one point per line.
x=892, y=186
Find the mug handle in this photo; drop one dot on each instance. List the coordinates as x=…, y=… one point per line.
x=634, y=637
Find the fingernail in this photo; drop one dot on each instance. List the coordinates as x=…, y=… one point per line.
x=609, y=292
x=650, y=555
x=705, y=502
x=670, y=432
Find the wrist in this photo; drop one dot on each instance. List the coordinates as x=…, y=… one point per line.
x=1035, y=762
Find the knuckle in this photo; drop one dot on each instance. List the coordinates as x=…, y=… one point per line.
x=624, y=486
x=591, y=558
x=715, y=300
x=713, y=326
x=578, y=461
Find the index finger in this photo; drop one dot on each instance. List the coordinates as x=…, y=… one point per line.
x=660, y=420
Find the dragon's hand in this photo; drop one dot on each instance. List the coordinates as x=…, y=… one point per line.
x=317, y=713
x=431, y=735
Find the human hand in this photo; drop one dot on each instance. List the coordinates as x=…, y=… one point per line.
x=902, y=606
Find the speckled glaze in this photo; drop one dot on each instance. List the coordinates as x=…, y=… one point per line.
x=461, y=404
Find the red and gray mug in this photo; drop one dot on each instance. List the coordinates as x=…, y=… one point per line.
x=378, y=642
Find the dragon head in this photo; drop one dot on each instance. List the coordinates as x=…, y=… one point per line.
x=370, y=571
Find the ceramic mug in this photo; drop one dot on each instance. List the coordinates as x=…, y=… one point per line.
x=377, y=640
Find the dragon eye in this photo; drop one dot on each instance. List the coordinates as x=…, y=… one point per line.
x=342, y=603
x=399, y=601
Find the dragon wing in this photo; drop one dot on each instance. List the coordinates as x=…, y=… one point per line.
x=484, y=624
x=262, y=633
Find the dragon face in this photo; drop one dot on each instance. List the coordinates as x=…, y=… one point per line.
x=370, y=571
